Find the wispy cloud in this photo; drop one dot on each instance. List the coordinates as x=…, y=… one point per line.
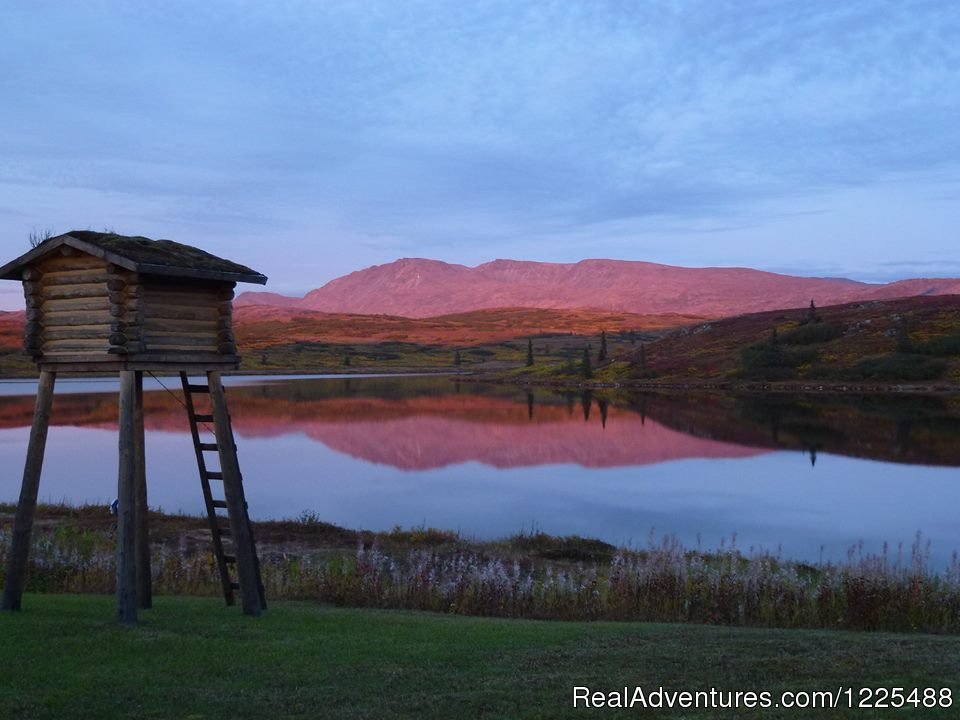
x=544, y=129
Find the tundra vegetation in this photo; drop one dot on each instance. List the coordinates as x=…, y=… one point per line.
x=487, y=341
x=908, y=340
x=531, y=575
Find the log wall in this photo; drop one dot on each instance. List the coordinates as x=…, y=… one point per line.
x=81, y=308
x=69, y=308
x=186, y=318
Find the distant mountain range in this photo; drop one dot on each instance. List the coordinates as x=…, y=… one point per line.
x=419, y=288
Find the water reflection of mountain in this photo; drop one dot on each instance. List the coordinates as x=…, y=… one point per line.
x=431, y=433
x=428, y=422
x=420, y=431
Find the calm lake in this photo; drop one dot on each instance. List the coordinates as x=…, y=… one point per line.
x=814, y=475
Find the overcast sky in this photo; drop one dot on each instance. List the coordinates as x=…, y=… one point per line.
x=310, y=139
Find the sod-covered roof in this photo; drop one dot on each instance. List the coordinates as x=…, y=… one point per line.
x=141, y=255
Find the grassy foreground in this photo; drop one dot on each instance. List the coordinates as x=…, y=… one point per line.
x=192, y=658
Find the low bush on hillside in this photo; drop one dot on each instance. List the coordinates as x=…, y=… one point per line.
x=901, y=366
x=812, y=333
x=940, y=347
x=572, y=547
x=771, y=361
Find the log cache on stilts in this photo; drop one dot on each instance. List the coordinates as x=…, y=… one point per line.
x=100, y=302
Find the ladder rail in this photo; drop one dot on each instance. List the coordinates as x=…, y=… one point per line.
x=244, y=547
x=215, y=530
x=246, y=517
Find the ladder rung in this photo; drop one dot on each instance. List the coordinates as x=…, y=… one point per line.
x=203, y=418
x=229, y=558
x=198, y=388
x=219, y=503
x=223, y=532
x=208, y=446
x=214, y=475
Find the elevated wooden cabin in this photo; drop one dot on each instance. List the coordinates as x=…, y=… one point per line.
x=100, y=302
x=110, y=302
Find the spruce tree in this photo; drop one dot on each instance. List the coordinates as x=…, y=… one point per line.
x=456, y=358
x=774, y=355
x=529, y=352
x=904, y=343
x=586, y=368
x=602, y=355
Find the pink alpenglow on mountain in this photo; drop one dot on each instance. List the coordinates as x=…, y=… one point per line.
x=419, y=288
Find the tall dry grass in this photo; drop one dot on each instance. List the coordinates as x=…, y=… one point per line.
x=665, y=582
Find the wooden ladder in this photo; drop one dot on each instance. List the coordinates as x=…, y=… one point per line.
x=233, y=542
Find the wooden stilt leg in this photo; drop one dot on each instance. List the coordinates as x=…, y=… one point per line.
x=23, y=521
x=126, y=493
x=141, y=511
x=248, y=571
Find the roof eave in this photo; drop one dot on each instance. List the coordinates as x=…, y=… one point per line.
x=200, y=274
x=12, y=270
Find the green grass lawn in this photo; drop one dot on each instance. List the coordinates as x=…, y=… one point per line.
x=65, y=657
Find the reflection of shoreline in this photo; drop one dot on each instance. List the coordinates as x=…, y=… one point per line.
x=420, y=423
x=913, y=430
x=420, y=433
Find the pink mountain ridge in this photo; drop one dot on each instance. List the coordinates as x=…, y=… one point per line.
x=419, y=288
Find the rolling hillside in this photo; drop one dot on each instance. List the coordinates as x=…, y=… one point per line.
x=259, y=327
x=907, y=339
x=419, y=288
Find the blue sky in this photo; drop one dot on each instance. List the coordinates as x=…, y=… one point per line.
x=310, y=139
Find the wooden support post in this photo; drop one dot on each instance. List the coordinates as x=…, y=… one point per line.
x=126, y=492
x=23, y=521
x=248, y=573
x=141, y=510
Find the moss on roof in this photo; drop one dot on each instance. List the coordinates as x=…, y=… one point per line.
x=142, y=255
x=165, y=253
